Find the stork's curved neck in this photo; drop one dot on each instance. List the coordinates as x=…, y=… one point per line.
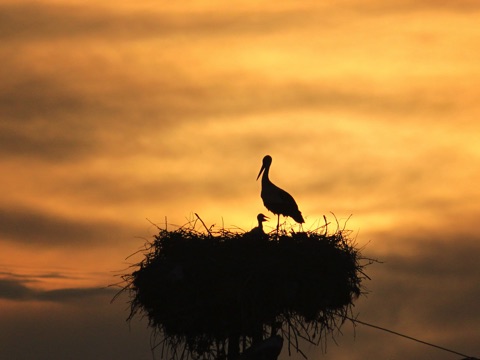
x=265, y=178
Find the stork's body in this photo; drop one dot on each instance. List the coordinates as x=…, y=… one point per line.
x=277, y=200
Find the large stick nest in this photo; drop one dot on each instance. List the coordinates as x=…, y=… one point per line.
x=201, y=289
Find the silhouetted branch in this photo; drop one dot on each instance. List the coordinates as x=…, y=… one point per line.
x=205, y=226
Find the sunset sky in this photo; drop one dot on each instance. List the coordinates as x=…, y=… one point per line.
x=116, y=116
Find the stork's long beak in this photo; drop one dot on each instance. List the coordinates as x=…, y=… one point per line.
x=261, y=170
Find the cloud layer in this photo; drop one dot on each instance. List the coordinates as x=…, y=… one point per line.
x=114, y=113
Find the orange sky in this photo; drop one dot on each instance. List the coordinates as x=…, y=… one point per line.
x=114, y=114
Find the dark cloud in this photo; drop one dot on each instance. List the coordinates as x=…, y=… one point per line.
x=432, y=285
x=87, y=328
x=18, y=290
x=152, y=190
x=47, y=275
x=15, y=290
x=62, y=295
x=437, y=256
x=43, y=117
x=61, y=123
x=21, y=142
x=412, y=6
x=40, y=229
x=33, y=97
x=325, y=96
x=35, y=21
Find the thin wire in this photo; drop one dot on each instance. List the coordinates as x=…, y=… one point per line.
x=411, y=338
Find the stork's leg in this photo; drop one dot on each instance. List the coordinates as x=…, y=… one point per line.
x=278, y=224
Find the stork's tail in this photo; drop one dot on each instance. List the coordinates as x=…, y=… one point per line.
x=298, y=217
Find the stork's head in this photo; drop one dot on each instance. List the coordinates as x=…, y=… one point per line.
x=266, y=162
x=262, y=218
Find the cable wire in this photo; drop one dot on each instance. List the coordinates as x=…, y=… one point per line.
x=356, y=321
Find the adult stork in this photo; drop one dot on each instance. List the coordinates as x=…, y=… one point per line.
x=277, y=200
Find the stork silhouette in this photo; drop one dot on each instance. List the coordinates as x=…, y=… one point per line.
x=277, y=200
x=258, y=230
